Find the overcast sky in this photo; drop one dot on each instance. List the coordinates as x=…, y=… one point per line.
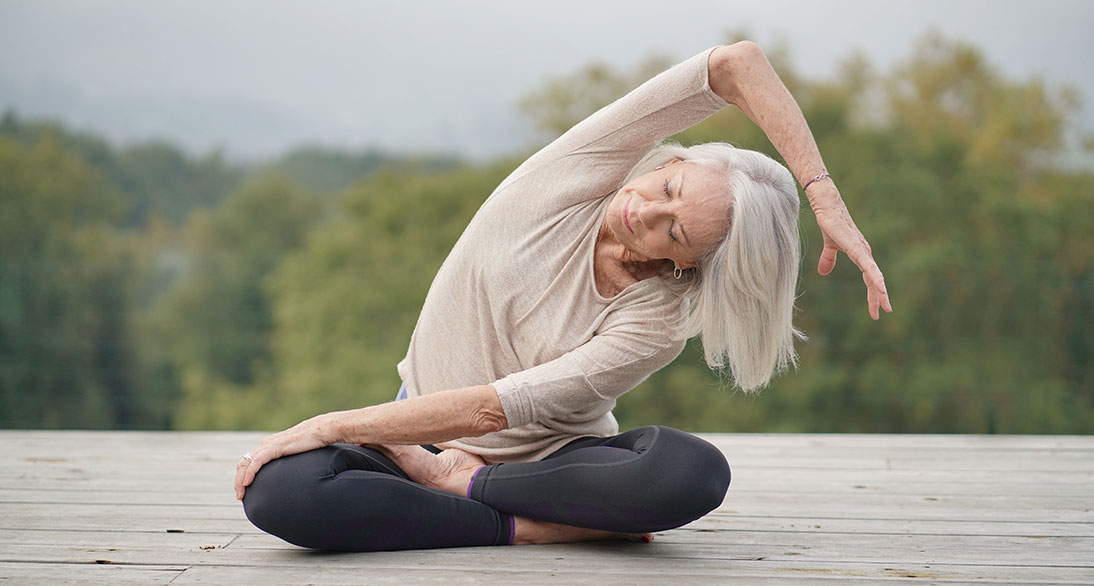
x=254, y=77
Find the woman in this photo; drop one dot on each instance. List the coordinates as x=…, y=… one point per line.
x=584, y=272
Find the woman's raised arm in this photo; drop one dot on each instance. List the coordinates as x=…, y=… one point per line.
x=741, y=75
x=429, y=419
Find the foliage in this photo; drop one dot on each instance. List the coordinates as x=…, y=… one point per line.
x=156, y=179
x=348, y=300
x=65, y=350
x=216, y=323
x=144, y=288
x=330, y=171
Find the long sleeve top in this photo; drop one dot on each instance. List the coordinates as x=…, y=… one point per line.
x=515, y=303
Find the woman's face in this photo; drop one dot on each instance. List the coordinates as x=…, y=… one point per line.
x=676, y=213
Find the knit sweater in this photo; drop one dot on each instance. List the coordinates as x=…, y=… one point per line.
x=515, y=304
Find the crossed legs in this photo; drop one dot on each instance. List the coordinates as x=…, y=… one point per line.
x=354, y=498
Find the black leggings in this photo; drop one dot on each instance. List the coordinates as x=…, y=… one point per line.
x=351, y=498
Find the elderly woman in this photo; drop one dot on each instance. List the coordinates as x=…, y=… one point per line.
x=584, y=272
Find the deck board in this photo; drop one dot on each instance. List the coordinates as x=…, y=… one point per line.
x=157, y=508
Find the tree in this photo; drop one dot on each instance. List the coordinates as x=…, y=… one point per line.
x=65, y=285
x=949, y=170
x=215, y=324
x=347, y=302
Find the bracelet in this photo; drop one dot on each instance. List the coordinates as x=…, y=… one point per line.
x=817, y=178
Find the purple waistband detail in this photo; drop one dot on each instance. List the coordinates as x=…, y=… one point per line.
x=472, y=481
x=512, y=529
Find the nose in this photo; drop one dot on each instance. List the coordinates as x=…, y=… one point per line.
x=651, y=212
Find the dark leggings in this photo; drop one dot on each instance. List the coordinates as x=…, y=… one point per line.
x=351, y=498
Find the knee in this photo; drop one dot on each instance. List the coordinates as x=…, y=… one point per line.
x=277, y=501
x=713, y=479
x=700, y=471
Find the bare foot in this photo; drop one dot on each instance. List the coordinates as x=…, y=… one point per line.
x=450, y=471
x=529, y=531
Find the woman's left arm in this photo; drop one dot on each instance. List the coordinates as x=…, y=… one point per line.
x=741, y=75
x=429, y=419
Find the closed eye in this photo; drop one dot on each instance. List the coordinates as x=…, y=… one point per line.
x=668, y=195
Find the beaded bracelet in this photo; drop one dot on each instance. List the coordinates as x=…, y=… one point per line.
x=817, y=178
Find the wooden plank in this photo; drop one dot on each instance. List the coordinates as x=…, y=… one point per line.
x=891, y=526
x=874, y=506
x=153, y=525
x=153, y=444
x=1045, y=552
x=117, y=539
x=803, y=509
x=57, y=574
x=745, y=573
x=933, y=442
x=199, y=487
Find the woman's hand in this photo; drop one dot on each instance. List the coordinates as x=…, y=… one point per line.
x=310, y=434
x=741, y=75
x=431, y=419
x=841, y=234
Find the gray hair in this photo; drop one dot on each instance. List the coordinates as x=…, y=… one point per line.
x=741, y=294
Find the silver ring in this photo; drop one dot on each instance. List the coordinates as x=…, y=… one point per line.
x=248, y=457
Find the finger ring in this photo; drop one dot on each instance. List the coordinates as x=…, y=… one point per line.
x=248, y=457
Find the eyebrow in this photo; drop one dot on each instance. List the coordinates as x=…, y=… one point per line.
x=680, y=195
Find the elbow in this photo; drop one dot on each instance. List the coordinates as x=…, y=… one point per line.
x=488, y=420
x=731, y=66
x=739, y=56
x=488, y=416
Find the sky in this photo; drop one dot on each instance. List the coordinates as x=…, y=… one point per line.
x=254, y=78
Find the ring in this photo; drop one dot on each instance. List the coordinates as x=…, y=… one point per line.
x=248, y=457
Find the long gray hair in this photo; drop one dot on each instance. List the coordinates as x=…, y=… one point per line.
x=741, y=294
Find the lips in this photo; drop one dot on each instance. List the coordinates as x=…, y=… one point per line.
x=626, y=214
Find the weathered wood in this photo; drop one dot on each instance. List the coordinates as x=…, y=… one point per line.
x=54, y=574
x=157, y=508
x=879, y=549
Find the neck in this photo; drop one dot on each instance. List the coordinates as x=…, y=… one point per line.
x=610, y=249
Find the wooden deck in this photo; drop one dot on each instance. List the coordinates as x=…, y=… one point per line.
x=157, y=508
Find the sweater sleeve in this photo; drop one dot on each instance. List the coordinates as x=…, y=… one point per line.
x=672, y=101
x=611, y=140
x=584, y=383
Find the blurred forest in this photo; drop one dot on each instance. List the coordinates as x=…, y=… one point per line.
x=143, y=288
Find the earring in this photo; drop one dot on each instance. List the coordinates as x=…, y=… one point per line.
x=676, y=272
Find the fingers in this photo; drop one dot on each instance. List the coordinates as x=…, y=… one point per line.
x=873, y=298
x=827, y=259
x=245, y=475
x=876, y=295
x=241, y=472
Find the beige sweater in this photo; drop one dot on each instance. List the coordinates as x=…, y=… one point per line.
x=515, y=303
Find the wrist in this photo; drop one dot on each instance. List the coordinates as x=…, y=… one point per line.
x=814, y=179
x=823, y=190
x=330, y=428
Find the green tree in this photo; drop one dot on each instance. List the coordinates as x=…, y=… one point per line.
x=66, y=280
x=214, y=325
x=154, y=179
x=948, y=168
x=347, y=302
